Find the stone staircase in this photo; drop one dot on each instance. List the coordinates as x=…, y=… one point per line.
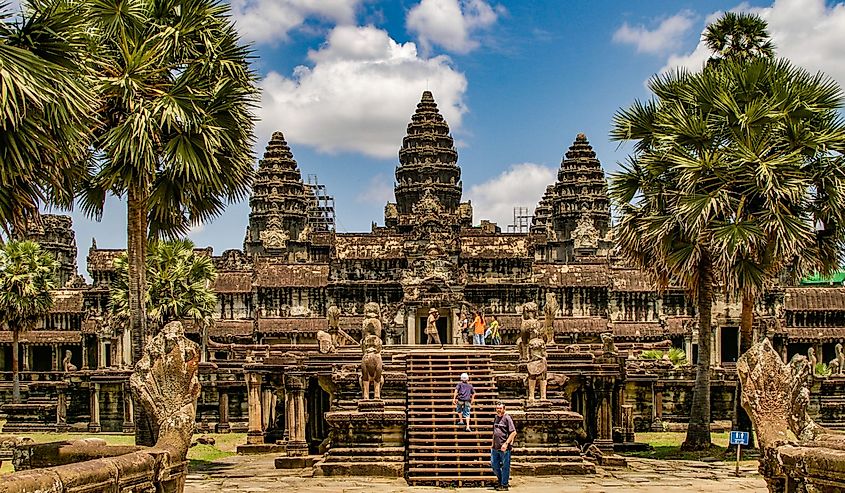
x=439, y=452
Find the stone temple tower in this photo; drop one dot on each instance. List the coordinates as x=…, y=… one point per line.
x=580, y=207
x=428, y=170
x=279, y=202
x=55, y=234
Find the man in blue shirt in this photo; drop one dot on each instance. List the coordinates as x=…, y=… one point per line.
x=463, y=398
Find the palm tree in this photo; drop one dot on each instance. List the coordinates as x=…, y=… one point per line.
x=176, y=94
x=739, y=36
x=668, y=196
x=178, y=288
x=733, y=179
x=764, y=103
x=26, y=279
x=45, y=108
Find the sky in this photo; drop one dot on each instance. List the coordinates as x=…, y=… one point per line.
x=516, y=81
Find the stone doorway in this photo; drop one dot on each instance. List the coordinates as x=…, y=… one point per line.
x=444, y=325
x=318, y=403
x=729, y=344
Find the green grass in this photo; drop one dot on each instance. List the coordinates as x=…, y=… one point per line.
x=667, y=446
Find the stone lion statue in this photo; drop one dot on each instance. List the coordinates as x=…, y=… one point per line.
x=607, y=345
x=66, y=363
x=371, y=366
x=326, y=342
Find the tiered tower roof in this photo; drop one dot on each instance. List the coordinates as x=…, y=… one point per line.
x=428, y=161
x=581, y=188
x=543, y=211
x=279, y=201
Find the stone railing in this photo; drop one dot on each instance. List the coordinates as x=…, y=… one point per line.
x=165, y=382
x=797, y=454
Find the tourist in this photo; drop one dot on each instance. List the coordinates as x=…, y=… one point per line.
x=478, y=329
x=431, y=328
x=504, y=433
x=463, y=398
x=493, y=332
x=464, y=327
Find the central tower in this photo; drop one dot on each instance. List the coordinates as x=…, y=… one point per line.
x=428, y=176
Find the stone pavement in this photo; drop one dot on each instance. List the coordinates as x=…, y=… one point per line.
x=256, y=474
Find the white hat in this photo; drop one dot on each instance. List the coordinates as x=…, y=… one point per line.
x=464, y=377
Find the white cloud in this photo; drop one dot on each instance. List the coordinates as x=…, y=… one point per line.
x=196, y=229
x=267, y=21
x=520, y=185
x=808, y=32
x=664, y=38
x=359, y=94
x=450, y=24
x=378, y=191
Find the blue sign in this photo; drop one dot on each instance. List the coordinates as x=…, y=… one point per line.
x=739, y=438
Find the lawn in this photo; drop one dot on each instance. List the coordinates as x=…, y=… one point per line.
x=199, y=456
x=667, y=445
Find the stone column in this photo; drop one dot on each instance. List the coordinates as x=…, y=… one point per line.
x=25, y=363
x=604, y=396
x=295, y=397
x=627, y=423
x=56, y=358
x=61, y=408
x=255, y=433
x=223, y=412
x=411, y=327
x=266, y=408
x=715, y=350
x=84, y=353
x=657, y=407
x=688, y=349
x=101, y=353
x=94, y=424
x=128, y=410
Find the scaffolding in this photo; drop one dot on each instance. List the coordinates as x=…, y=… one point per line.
x=321, y=216
x=521, y=220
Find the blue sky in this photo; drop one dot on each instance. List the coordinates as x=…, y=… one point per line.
x=516, y=80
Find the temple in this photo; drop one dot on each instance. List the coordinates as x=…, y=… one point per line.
x=307, y=316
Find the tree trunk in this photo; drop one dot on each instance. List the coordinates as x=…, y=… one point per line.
x=136, y=250
x=698, y=432
x=746, y=339
x=16, y=383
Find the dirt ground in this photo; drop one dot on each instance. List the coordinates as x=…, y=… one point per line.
x=256, y=474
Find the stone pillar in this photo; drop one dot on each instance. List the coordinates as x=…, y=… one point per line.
x=657, y=407
x=627, y=423
x=25, y=363
x=411, y=327
x=84, y=353
x=295, y=397
x=56, y=358
x=266, y=408
x=61, y=408
x=223, y=412
x=94, y=424
x=688, y=349
x=255, y=433
x=604, y=396
x=128, y=410
x=101, y=353
x=715, y=349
